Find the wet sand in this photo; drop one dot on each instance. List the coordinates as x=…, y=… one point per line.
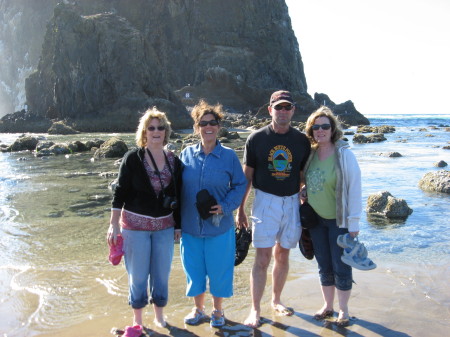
x=395, y=299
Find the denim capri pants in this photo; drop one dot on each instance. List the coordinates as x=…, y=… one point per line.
x=332, y=271
x=148, y=259
x=209, y=258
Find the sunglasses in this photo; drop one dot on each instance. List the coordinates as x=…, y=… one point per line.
x=212, y=122
x=279, y=107
x=152, y=128
x=316, y=127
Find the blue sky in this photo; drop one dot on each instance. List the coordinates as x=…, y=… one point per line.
x=387, y=56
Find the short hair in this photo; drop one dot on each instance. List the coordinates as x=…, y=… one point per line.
x=323, y=111
x=203, y=108
x=144, y=122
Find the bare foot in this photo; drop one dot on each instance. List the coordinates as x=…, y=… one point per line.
x=253, y=320
x=160, y=324
x=282, y=310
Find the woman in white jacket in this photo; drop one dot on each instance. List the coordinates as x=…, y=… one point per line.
x=333, y=189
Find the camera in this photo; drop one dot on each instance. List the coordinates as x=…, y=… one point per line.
x=170, y=202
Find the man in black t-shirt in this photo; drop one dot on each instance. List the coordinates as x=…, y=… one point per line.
x=273, y=158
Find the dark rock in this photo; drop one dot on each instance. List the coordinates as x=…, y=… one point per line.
x=94, y=143
x=77, y=146
x=436, y=181
x=24, y=143
x=112, y=148
x=384, y=203
x=391, y=154
x=376, y=138
x=440, y=163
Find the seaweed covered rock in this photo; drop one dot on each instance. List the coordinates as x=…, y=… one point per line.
x=385, y=204
x=112, y=148
x=60, y=128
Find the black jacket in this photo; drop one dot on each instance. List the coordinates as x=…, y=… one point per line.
x=135, y=193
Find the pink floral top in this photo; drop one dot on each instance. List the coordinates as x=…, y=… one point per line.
x=134, y=221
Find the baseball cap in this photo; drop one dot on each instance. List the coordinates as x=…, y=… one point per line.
x=281, y=96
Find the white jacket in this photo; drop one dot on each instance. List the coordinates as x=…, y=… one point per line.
x=348, y=187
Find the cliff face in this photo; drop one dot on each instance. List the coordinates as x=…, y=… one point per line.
x=97, y=65
x=22, y=30
x=103, y=62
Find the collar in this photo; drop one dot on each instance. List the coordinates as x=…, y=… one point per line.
x=216, y=152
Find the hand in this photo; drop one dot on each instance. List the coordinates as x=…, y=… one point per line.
x=216, y=209
x=177, y=235
x=354, y=234
x=113, y=232
x=303, y=195
x=241, y=219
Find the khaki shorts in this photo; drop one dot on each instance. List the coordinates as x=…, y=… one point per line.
x=275, y=219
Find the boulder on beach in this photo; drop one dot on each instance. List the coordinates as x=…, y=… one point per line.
x=385, y=204
x=436, y=181
x=24, y=143
x=391, y=154
x=440, y=163
x=112, y=148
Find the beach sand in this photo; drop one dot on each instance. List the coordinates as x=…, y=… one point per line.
x=395, y=299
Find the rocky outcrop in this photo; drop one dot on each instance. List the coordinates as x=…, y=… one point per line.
x=436, y=181
x=346, y=111
x=376, y=138
x=385, y=204
x=375, y=129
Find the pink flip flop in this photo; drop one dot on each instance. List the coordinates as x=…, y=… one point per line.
x=133, y=331
x=116, y=251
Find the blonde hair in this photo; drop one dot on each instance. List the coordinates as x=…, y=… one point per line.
x=144, y=122
x=202, y=108
x=323, y=111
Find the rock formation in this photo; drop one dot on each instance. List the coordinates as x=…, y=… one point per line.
x=385, y=204
x=436, y=181
x=103, y=62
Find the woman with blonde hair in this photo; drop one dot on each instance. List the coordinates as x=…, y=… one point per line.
x=146, y=213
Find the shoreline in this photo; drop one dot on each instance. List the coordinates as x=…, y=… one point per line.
x=395, y=299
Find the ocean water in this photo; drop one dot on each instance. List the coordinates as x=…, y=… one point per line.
x=54, y=214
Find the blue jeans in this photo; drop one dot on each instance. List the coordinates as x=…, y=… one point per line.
x=332, y=271
x=148, y=258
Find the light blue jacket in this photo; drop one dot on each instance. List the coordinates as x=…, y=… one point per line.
x=220, y=172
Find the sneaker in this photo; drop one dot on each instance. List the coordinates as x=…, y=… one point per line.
x=217, y=321
x=195, y=317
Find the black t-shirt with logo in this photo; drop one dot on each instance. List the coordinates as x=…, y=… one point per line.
x=277, y=160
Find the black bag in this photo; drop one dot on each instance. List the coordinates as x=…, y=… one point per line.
x=308, y=216
x=204, y=203
x=243, y=241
